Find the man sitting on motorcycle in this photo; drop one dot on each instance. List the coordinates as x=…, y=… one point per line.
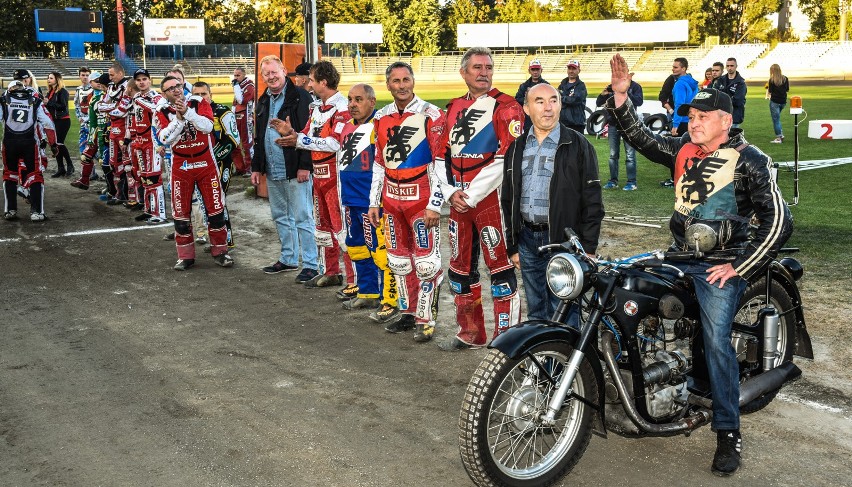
x=722, y=181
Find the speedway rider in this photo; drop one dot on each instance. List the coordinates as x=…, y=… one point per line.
x=721, y=181
x=110, y=105
x=479, y=129
x=243, y=106
x=185, y=126
x=408, y=136
x=21, y=113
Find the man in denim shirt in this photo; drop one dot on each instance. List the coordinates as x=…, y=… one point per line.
x=288, y=171
x=550, y=182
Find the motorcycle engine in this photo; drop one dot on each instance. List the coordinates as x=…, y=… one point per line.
x=666, y=358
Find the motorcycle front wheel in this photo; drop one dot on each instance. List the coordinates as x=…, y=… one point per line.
x=502, y=438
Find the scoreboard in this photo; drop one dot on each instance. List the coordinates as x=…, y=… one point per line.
x=68, y=22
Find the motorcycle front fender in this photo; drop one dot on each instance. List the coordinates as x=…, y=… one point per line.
x=520, y=339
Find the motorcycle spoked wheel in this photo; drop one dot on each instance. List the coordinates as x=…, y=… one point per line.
x=752, y=301
x=502, y=440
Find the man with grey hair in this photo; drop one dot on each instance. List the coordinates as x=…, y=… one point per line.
x=408, y=138
x=480, y=127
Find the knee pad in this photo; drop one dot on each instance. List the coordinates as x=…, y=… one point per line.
x=217, y=220
x=182, y=227
x=400, y=266
x=358, y=252
x=341, y=239
x=504, y=283
x=460, y=283
x=323, y=238
x=428, y=266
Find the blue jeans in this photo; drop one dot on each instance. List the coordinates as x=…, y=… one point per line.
x=718, y=308
x=541, y=303
x=291, y=203
x=614, y=153
x=775, y=112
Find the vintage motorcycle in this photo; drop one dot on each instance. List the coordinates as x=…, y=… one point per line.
x=634, y=367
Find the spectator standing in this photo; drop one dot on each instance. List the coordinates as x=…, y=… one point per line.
x=684, y=90
x=744, y=192
x=186, y=125
x=735, y=87
x=320, y=136
x=574, y=94
x=535, y=78
x=244, y=96
x=300, y=75
x=480, y=127
x=82, y=98
x=708, y=78
x=776, y=90
x=614, y=138
x=408, y=139
x=718, y=68
x=287, y=170
x=57, y=106
x=550, y=182
x=665, y=97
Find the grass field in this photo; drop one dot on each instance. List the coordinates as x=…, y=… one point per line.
x=823, y=217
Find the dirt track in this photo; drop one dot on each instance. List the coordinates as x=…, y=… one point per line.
x=117, y=370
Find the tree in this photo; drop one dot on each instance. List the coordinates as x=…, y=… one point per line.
x=421, y=22
x=569, y=10
x=825, y=19
x=521, y=11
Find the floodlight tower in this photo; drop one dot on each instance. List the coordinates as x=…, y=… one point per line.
x=119, y=14
x=309, y=12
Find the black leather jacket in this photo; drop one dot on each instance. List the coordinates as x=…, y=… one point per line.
x=575, y=191
x=296, y=106
x=725, y=189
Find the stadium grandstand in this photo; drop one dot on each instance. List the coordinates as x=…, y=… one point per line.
x=817, y=60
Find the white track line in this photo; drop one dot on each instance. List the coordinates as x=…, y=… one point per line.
x=90, y=232
x=816, y=164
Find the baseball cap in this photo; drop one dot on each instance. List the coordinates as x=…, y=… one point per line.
x=707, y=100
x=574, y=62
x=303, y=69
x=141, y=72
x=21, y=74
x=94, y=75
x=103, y=79
x=535, y=63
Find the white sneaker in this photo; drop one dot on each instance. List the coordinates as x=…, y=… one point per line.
x=11, y=215
x=37, y=217
x=777, y=140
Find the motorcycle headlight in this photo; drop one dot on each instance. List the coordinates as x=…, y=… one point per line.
x=565, y=276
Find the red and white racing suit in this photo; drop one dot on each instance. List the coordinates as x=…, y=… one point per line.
x=406, y=144
x=116, y=106
x=193, y=165
x=24, y=117
x=478, y=133
x=244, y=97
x=321, y=136
x=147, y=162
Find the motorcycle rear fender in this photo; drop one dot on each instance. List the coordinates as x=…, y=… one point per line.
x=520, y=339
x=784, y=276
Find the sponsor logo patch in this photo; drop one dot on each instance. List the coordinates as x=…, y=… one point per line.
x=491, y=238
x=515, y=127
x=403, y=192
x=452, y=229
x=421, y=233
x=501, y=290
x=322, y=171
x=631, y=308
x=391, y=234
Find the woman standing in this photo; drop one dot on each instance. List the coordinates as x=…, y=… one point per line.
x=708, y=78
x=776, y=91
x=57, y=106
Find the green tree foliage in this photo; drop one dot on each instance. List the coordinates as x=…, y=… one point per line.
x=569, y=10
x=421, y=22
x=521, y=11
x=825, y=19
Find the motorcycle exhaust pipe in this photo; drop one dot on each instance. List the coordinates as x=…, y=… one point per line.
x=771, y=322
x=769, y=381
x=686, y=424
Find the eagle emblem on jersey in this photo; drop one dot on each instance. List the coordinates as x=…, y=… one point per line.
x=473, y=133
x=407, y=146
x=350, y=149
x=464, y=128
x=398, y=146
x=706, y=185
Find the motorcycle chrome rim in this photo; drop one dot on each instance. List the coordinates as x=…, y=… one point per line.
x=520, y=445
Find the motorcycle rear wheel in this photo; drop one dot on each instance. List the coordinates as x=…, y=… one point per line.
x=502, y=440
x=752, y=301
